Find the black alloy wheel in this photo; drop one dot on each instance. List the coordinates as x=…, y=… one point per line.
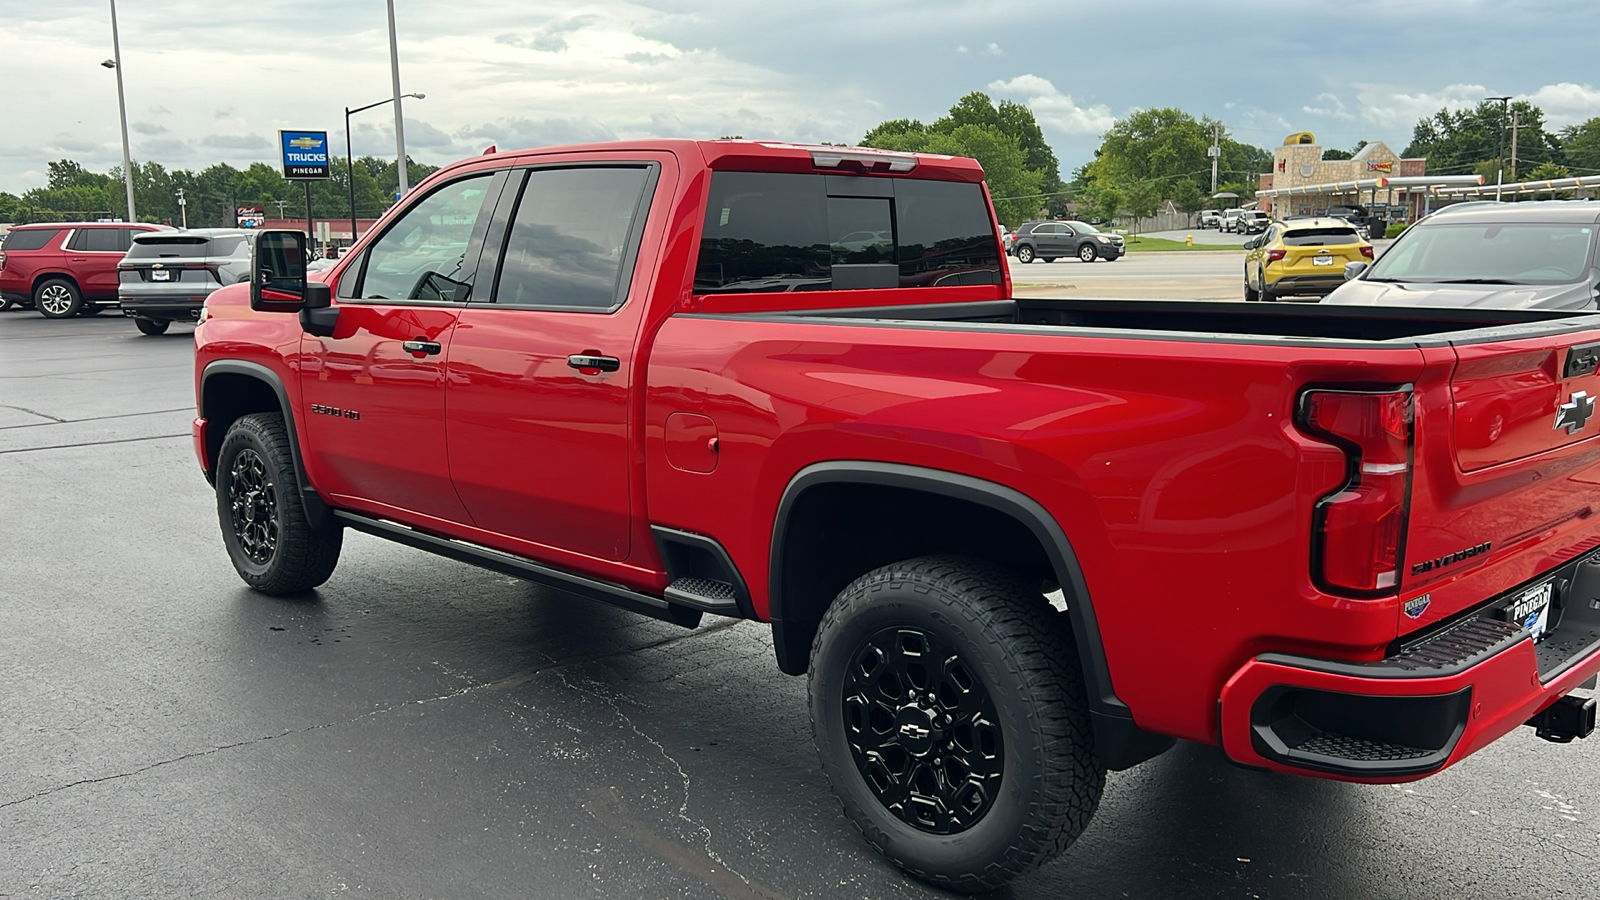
x=1087, y=252
x=923, y=731
x=253, y=501
x=1025, y=254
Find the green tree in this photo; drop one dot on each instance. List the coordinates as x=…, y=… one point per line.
x=1580, y=146
x=1167, y=148
x=1463, y=140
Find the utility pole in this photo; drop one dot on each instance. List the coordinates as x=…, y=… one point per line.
x=1514, y=127
x=1215, y=152
x=281, y=205
x=1499, y=146
x=183, y=208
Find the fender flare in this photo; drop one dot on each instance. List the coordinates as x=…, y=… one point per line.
x=316, y=508
x=1118, y=741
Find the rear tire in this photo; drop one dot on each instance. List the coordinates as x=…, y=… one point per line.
x=57, y=298
x=273, y=545
x=989, y=773
x=1024, y=254
x=1250, y=294
x=151, y=326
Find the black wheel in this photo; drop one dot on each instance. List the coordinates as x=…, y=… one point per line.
x=151, y=326
x=1024, y=254
x=1048, y=259
x=1267, y=296
x=951, y=718
x=1087, y=253
x=57, y=298
x=89, y=309
x=6, y=303
x=273, y=545
x=1250, y=293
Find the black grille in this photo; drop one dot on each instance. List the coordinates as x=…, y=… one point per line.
x=1343, y=746
x=704, y=587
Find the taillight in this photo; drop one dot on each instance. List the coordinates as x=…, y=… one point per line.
x=2, y=259
x=1358, y=529
x=1366, y=250
x=1275, y=255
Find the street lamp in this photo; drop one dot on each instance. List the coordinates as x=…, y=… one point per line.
x=115, y=64
x=350, y=163
x=1499, y=145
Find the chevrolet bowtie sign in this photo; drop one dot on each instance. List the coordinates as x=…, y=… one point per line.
x=305, y=154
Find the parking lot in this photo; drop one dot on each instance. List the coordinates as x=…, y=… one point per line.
x=421, y=728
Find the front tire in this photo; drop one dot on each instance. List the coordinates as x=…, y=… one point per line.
x=951, y=718
x=1024, y=254
x=272, y=543
x=1087, y=253
x=57, y=298
x=151, y=326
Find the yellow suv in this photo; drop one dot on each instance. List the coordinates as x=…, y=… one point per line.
x=1301, y=256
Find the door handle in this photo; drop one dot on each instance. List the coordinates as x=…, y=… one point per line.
x=421, y=346
x=586, y=361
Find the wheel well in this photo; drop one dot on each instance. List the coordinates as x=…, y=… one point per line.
x=42, y=277
x=836, y=532
x=226, y=397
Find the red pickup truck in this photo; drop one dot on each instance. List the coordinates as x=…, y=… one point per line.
x=1014, y=543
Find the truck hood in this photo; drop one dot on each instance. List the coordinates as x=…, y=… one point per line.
x=1361, y=292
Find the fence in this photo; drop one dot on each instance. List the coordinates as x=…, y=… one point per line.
x=1163, y=221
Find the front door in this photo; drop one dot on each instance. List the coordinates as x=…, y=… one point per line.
x=540, y=375
x=374, y=390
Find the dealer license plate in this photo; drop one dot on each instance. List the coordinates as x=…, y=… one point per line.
x=1322, y=261
x=160, y=275
x=1532, y=609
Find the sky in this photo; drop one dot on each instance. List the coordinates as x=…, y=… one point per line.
x=215, y=81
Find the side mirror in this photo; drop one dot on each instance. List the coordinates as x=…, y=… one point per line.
x=278, y=272
x=1353, y=270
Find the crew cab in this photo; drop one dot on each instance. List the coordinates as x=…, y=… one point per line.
x=1013, y=543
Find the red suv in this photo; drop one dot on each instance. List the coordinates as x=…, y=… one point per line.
x=65, y=268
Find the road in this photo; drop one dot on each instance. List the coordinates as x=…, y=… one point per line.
x=1178, y=274
x=421, y=729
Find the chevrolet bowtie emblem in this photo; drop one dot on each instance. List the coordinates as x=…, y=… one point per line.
x=1575, y=413
x=305, y=143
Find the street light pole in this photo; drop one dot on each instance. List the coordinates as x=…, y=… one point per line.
x=350, y=162
x=1499, y=147
x=399, y=120
x=122, y=111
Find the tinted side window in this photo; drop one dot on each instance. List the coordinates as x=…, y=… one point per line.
x=420, y=257
x=569, y=238
x=29, y=239
x=781, y=232
x=98, y=240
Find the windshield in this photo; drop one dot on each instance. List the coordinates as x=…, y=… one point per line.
x=1084, y=228
x=1494, y=253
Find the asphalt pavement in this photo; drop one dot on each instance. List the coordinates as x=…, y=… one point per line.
x=418, y=728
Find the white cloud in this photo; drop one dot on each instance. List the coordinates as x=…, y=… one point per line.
x=1331, y=107
x=1054, y=109
x=1384, y=107
x=1566, y=103
x=993, y=50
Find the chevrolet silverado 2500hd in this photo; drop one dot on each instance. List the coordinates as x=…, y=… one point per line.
x=790, y=383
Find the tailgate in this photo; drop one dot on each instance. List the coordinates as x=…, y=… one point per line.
x=1507, y=471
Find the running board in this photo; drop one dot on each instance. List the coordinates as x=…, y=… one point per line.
x=524, y=568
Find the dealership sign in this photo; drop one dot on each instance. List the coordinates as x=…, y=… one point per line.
x=305, y=154
x=250, y=216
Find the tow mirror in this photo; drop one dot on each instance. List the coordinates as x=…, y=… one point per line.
x=278, y=272
x=1353, y=270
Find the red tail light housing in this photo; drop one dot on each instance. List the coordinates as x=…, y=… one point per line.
x=1358, y=531
x=1366, y=250
x=1275, y=255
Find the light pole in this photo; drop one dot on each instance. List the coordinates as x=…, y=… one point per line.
x=399, y=120
x=115, y=64
x=350, y=163
x=1499, y=145
x=183, y=208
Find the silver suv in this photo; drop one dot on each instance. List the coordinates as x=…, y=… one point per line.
x=167, y=276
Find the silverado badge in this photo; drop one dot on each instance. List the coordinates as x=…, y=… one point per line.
x=1575, y=413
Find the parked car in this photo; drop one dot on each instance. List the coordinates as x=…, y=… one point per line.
x=1052, y=240
x=1210, y=218
x=65, y=269
x=1253, y=221
x=167, y=276
x=582, y=366
x=1301, y=256
x=1531, y=255
x=1231, y=219
x=1361, y=217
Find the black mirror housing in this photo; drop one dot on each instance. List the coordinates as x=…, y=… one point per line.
x=278, y=271
x=1353, y=270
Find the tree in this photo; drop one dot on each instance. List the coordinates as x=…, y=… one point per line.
x=1461, y=141
x=1167, y=149
x=1580, y=146
x=1336, y=153
x=1014, y=187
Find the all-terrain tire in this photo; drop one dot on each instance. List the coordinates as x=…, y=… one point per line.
x=272, y=543
x=986, y=622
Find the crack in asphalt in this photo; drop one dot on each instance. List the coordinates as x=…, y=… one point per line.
x=508, y=681
x=54, y=420
x=153, y=437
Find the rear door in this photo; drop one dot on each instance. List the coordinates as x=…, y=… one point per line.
x=542, y=368
x=92, y=254
x=374, y=390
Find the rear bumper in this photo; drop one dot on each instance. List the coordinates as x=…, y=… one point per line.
x=1319, y=284
x=1439, y=700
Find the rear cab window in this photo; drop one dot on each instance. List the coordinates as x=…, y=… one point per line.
x=28, y=239
x=774, y=232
